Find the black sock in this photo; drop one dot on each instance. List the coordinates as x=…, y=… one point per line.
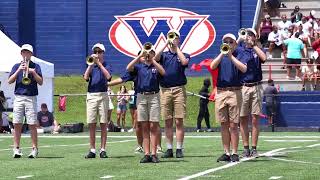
x=246, y=147
x=254, y=147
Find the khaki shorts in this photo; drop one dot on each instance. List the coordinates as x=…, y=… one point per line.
x=173, y=102
x=97, y=106
x=227, y=106
x=252, y=100
x=148, y=107
x=25, y=106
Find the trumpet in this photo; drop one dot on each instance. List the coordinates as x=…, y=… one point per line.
x=147, y=47
x=90, y=60
x=171, y=36
x=225, y=48
x=242, y=33
x=25, y=79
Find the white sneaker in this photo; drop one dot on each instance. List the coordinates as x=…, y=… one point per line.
x=209, y=130
x=138, y=150
x=34, y=153
x=131, y=130
x=122, y=130
x=159, y=150
x=17, y=153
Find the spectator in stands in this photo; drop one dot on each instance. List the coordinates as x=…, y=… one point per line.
x=307, y=29
x=286, y=34
x=2, y=101
x=294, y=46
x=316, y=53
x=272, y=7
x=110, y=107
x=296, y=15
x=122, y=99
x=275, y=41
x=6, y=126
x=309, y=73
x=97, y=75
x=316, y=29
x=265, y=29
x=304, y=37
x=271, y=105
x=311, y=16
x=203, y=106
x=284, y=24
x=47, y=123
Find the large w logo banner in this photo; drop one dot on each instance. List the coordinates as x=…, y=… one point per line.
x=129, y=32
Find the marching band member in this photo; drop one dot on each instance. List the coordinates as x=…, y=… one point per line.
x=231, y=63
x=97, y=102
x=251, y=92
x=173, y=92
x=27, y=76
x=148, y=101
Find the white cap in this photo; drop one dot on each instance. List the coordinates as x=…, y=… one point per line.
x=175, y=31
x=100, y=46
x=267, y=16
x=229, y=35
x=315, y=55
x=313, y=12
x=253, y=31
x=27, y=47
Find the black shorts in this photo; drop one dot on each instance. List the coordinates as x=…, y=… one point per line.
x=271, y=109
x=134, y=105
x=293, y=61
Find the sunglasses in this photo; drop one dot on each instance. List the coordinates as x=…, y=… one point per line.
x=228, y=42
x=99, y=52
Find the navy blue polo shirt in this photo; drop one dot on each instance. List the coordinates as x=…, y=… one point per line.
x=175, y=75
x=97, y=80
x=229, y=75
x=26, y=90
x=147, y=78
x=254, y=70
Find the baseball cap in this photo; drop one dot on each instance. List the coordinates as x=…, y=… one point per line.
x=27, y=47
x=229, y=35
x=100, y=46
x=175, y=31
x=253, y=31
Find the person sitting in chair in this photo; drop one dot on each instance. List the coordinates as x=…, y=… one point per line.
x=47, y=123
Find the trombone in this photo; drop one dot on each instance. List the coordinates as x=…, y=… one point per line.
x=225, y=48
x=242, y=33
x=25, y=79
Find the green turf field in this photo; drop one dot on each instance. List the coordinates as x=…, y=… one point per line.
x=76, y=107
x=287, y=156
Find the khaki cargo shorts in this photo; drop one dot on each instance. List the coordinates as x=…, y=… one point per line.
x=148, y=107
x=25, y=106
x=227, y=105
x=97, y=107
x=252, y=100
x=173, y=102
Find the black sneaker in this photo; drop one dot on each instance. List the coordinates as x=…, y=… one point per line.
x=154, y=159
x=254, y=153
x=146, y=159
x=179, y=153
x=168, y=154
x=246, y=153
x=90, y=155
x=224, y=157
x=103, y=154
x=234, y=157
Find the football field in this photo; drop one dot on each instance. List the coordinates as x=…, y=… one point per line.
x=284, y=155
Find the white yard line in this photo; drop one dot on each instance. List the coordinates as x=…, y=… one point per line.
x=288, y=160
x=69, y=145
x=276, y=177
x=313, y=145
x=227, y=165
x=291, y=140
x=24, y=177
x=106, y=177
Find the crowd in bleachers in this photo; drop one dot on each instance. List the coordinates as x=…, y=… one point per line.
x=286, y=36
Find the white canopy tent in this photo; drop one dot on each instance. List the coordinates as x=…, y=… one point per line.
x=9, y=56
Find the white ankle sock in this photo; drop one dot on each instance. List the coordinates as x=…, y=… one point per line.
x=93, y=150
